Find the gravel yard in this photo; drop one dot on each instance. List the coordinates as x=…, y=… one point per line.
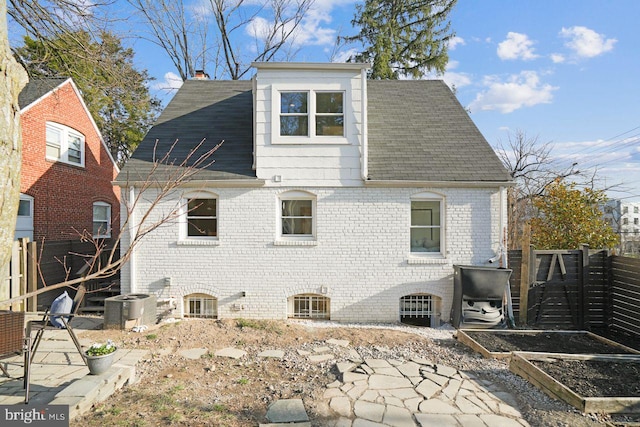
x=216, y=391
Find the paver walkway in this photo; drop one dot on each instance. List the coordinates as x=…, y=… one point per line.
x=60, y=377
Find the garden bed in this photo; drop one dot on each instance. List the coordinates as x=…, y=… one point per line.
x=591, y=383
x=500, y=344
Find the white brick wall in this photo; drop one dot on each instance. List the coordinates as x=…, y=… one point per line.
x=361, y=254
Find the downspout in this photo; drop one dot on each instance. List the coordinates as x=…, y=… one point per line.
x=365, y=128
x=504, y=262
x=132, y=231
x=503, y=231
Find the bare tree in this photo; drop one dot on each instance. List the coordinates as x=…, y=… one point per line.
x=184, y=32
x=533, y=169
x=167, y=177
x=12, y=80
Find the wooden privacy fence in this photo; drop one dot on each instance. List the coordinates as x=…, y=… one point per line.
x=624, y=300
x=575, y=289
x=20, y=276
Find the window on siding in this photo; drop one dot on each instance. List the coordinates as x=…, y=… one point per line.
x=329, y=113
x=64, y=144
x=202, y=219
x=309, y=306
x=101, y=220
x=314, y=113
x=294, y=114
x=201, y=306
x=426, y=232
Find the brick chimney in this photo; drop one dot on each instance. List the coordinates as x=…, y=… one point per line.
x=201, y=75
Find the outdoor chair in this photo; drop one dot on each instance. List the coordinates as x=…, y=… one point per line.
x=63, y=319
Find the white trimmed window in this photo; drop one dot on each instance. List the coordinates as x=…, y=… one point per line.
x=427, y=219
x=312, y=114
x=202, y=218
x=309, y=306
x=297, y=215
x=101, y=220
x=201, y=306
x=64, y=144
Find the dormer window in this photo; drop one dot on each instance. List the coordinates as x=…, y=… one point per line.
x=329, y=114
x=294, y=114
x=312, y=114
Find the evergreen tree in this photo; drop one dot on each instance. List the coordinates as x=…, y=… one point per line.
x=116, y=93
x=403, y=38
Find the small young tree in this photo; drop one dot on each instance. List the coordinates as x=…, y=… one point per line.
x=532, y=167
x=570, y=217
x=168, y=175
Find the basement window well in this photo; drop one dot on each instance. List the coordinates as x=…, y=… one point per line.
x=201, y=306
x=309, y=306
x=420, y=310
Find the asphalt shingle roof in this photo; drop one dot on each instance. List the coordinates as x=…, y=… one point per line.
x=37, y=88
x=201, y=109
x=418, y=131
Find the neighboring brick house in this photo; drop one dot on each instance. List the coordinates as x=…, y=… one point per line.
x=66, y=176
x=333, y=196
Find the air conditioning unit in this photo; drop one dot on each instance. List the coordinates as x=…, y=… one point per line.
x=127, y=311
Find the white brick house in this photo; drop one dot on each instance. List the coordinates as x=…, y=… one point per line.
x=331, y=197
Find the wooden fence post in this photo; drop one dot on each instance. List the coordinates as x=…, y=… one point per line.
x=583, y=311
x=32, y=275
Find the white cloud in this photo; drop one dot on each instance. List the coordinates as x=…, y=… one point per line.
x=455, y=41
x=516, y=46
x=311, y=31
x=171, y=83
x=518, y=91
x=454, y=78
x=557, y=58
x=585, y=42
x=344, y=55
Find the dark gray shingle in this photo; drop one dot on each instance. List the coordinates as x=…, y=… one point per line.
x=418, y=131
x=201, y=109
x=37, y=88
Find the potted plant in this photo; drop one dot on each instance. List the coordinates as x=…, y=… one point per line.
x=99, y=357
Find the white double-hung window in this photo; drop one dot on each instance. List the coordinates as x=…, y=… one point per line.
x=101, y=220
x=311, y=114
x=202, y=218
x=297, y=216
x=64, y=144
x=427, y=224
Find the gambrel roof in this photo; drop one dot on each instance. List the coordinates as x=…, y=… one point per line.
x=417, y=132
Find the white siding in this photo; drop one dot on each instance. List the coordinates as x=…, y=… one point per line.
x=322, y=161
x=361, y=252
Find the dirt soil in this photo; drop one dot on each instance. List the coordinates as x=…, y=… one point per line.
x=222, y=392
x=544, y=342
x=590, y=378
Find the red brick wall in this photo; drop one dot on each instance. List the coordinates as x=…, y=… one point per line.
x=64, y=194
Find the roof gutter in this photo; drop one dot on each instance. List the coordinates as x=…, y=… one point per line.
x=441, y=184
x=244, y=183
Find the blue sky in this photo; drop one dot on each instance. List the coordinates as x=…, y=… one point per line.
x=562, y=71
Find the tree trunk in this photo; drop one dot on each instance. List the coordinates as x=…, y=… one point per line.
x=12, y=80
